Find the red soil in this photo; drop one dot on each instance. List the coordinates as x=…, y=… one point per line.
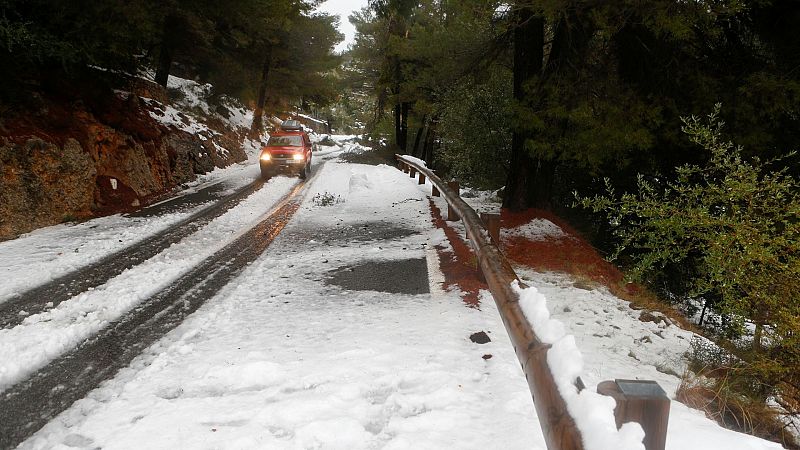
x=570, y=254
x=458, y=266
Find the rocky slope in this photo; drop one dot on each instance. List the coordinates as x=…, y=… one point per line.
x=88, y=155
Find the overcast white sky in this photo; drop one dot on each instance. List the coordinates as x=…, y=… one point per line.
x=343, y=8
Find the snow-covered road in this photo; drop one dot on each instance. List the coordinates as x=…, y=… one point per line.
x=284, y=358
x=310, y=346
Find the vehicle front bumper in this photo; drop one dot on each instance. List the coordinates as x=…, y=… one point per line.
x=283, y=165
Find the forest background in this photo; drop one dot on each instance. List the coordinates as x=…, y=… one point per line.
x=664, y=129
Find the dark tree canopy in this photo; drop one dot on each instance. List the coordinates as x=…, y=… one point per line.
x=223, y=43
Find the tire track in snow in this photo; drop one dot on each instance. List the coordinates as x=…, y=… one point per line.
x=49, y=295
x=31, y=403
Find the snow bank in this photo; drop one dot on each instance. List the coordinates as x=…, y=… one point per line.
x=536, y=230
x=194, y=93
x=195, y=97
x=360, y=182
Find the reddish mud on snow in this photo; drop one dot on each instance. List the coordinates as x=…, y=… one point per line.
x=458, y=266
x=569, y=254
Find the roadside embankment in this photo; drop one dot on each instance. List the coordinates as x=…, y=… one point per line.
x=82, y=154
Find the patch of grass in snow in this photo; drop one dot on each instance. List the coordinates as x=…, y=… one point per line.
x=327, y=199
x=719, y=384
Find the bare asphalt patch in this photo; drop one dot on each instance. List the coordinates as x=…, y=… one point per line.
x=401, y=276
x=351, y=232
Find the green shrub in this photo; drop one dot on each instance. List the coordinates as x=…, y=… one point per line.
x=733, y=226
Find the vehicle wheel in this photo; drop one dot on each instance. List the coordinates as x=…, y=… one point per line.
x=265, y=174
x=305, y=172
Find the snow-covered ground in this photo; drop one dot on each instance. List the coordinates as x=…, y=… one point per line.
x=42, y=337
x=283, y=358
x=535, y=230
x=47, y=253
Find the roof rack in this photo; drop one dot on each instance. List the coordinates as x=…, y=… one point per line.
x=291, y=125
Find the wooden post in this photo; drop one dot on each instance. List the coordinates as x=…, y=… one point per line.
x=492, y=223
x=451, y=213
x=421, y=178
x=412, y=172
x=434, y=190
x=643, y=402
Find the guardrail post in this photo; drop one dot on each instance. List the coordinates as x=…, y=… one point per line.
x=451, y=213
x=643, y=402
x=435, y=191
x=492, y=223
x=421, y=178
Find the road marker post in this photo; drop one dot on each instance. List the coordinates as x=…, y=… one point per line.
x=451, y=213
x=643, y=402
x=492, y=223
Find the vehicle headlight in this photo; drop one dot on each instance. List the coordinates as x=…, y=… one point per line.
x=266, y=156
x=298, y=157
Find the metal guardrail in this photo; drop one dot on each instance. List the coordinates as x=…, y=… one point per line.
x=648, y=406
x=558, y=426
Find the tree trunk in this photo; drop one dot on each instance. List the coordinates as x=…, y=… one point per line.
x=258, y=113
x=540, y=188
x=397, y=120
x=403, y=138
x=166, y=51
x=528, y=55
x=428, y=143
x=418, y=139
x=759, y=331
x=703, y=312
x=415, y=151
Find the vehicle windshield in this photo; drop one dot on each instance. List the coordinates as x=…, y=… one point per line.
x=285, y=141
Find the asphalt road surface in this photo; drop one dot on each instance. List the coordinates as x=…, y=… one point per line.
x=49, y=295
